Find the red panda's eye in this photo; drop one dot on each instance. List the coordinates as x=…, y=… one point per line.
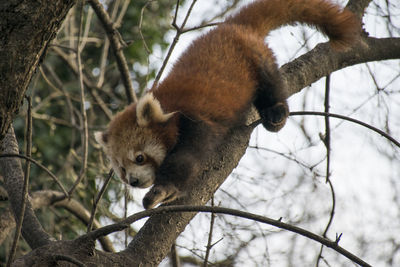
x=139, y=159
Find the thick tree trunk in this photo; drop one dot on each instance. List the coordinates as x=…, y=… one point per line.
x=26, y=28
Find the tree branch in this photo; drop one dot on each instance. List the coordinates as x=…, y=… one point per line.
x=322, y=61
x=315, y=113
x=115, y=41
x=49, y=197
x=165, y=228
x=358, y=6
x=167, y=210
x=11, y=170
x=45, y=198
x=297, y=74
x=19, y=218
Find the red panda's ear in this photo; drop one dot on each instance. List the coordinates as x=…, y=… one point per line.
x=148, y=110
x=101, y=138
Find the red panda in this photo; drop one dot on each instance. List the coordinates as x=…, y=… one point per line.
x=160, y=139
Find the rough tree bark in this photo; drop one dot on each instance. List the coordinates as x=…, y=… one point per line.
x=19, y=59
x=26, y=28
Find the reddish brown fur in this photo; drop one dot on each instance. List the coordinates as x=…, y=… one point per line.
x=210, y=88
x=263, y=16
x=216, y=78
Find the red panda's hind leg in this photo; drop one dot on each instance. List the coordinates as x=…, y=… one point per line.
x=274, y=118
x=271, y=98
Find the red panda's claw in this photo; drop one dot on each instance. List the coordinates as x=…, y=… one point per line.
x=160, y=194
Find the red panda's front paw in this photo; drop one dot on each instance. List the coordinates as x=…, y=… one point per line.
x=160, y=194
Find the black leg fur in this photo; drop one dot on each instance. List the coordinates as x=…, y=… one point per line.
x=184, y=162
x=270, y=99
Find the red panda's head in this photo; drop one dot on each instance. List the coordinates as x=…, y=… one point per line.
x=138, y=139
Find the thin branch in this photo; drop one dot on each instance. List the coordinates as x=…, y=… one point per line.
x=84, y=122
x=141, y=24
x=115, y=41
x=183, y=208
x=209, y=242
x=315, y=113
x=60, y=88
x=327, y=138
x=103, y=63
x=20, y=217
x=121, y=15
x=11, y=169
x=93, y=88
x=46, y=198
x=327, y=142
x=98, y=198
x=126, y=200
x=146, y=48
x=179, y=32
x=174, y=257
x=201, y=26
x=106, y=45
x=40, y=166
x=83, y=40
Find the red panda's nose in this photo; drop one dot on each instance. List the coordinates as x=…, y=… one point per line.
x=133, y=181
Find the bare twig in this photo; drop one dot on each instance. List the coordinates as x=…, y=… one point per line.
x=93, y=88
x=98, y=198
x=174, y=257
x=83, y=41
x=115, y=41
x=103, y=63
x=315, y=113
x=201, y=26
x=106, y=45
x=327, y=142
x=146, y=47
x=84, y=123
x=185, y=208
x=209, y=245
x=179, y=32
x=59, y=87
x=121, y=14
x=11, y=170
x=20, y=218
x=140, y=27
x=45, y=198
x=40, y=166
x=327, y=137
x=126, y=200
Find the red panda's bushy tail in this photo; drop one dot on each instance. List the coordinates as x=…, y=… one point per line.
x=340, y=25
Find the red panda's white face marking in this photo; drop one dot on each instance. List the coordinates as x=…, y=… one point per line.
x=136, y=167
x=133, y=146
